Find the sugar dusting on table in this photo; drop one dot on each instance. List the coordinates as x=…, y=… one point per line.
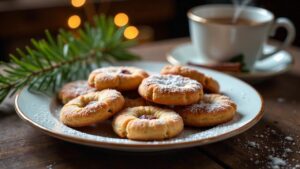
x=289, y=138
x=280, y=99
x=253, y=144
x=271, y=149
x=276, y=162
x=50, y=166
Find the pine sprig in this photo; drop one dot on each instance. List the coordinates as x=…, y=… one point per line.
x=52, y=61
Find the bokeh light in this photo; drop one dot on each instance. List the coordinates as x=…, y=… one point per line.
x=121, y=19
x=74, y=21
x=131, y=32
x=78, y=3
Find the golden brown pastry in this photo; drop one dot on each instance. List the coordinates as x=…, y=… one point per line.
x=120, y=78
x=209, y=84
x=147, y=123
x=212, y=110
x=91, y=108
x=171, y=90
x=74, y=89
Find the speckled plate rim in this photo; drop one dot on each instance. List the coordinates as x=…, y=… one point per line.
x=140, y=146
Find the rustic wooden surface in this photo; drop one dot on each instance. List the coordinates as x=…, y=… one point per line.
x=276, y=135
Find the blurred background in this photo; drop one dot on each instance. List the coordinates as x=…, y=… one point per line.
x=149, y=20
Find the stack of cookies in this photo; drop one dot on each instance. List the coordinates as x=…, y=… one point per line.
x=146, y=107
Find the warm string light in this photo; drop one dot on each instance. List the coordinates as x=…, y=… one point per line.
x=131, y=32
x=121, y=19
x=78, y=3
x=74, y=21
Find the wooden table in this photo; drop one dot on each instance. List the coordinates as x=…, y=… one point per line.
x=275, y=136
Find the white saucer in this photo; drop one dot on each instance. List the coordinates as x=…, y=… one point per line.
x=267, y=68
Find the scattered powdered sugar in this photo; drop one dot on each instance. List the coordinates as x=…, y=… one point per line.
x=104, y=132
x=92, y=104
x=261, y=136
x=210, y=104
x=172, y=83
x=276, y=162
x=50, y=166
x=288, y=150
x=205, y=107
x=121, y=70
x=109, y=94
x=273, y=131
x=289, y=138
x=107, y=73
x=187, y=136
x=296, y=166
x=83, y=89
x=77, y=88
x=280, y=100
x=253, y=144
x=271, y=149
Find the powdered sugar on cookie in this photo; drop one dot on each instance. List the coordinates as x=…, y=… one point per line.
x=74, y=89
x=206, y=107
x=171, y=90
x=82, y=88
x=210, y=104
x=173, y=83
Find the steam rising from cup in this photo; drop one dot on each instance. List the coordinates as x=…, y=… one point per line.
x=239, y=6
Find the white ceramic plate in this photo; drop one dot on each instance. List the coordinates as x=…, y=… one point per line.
x=267, y=68
x=42, y=112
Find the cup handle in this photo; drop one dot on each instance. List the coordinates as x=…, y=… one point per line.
x=291, y=32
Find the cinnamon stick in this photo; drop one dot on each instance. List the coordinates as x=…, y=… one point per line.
x=224, y=67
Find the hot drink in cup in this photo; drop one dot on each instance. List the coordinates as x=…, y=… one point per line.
x=218, y=36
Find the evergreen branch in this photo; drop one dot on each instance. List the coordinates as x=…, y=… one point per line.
x=50, y=62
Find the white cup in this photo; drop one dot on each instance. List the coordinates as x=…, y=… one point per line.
x=217, y=42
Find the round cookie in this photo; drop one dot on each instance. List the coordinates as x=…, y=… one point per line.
x=147, y=123
x=120, y=78
x=91, y=108
x=171, y=90
x=212, y=110
x=209, y=84
x=74, y=89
